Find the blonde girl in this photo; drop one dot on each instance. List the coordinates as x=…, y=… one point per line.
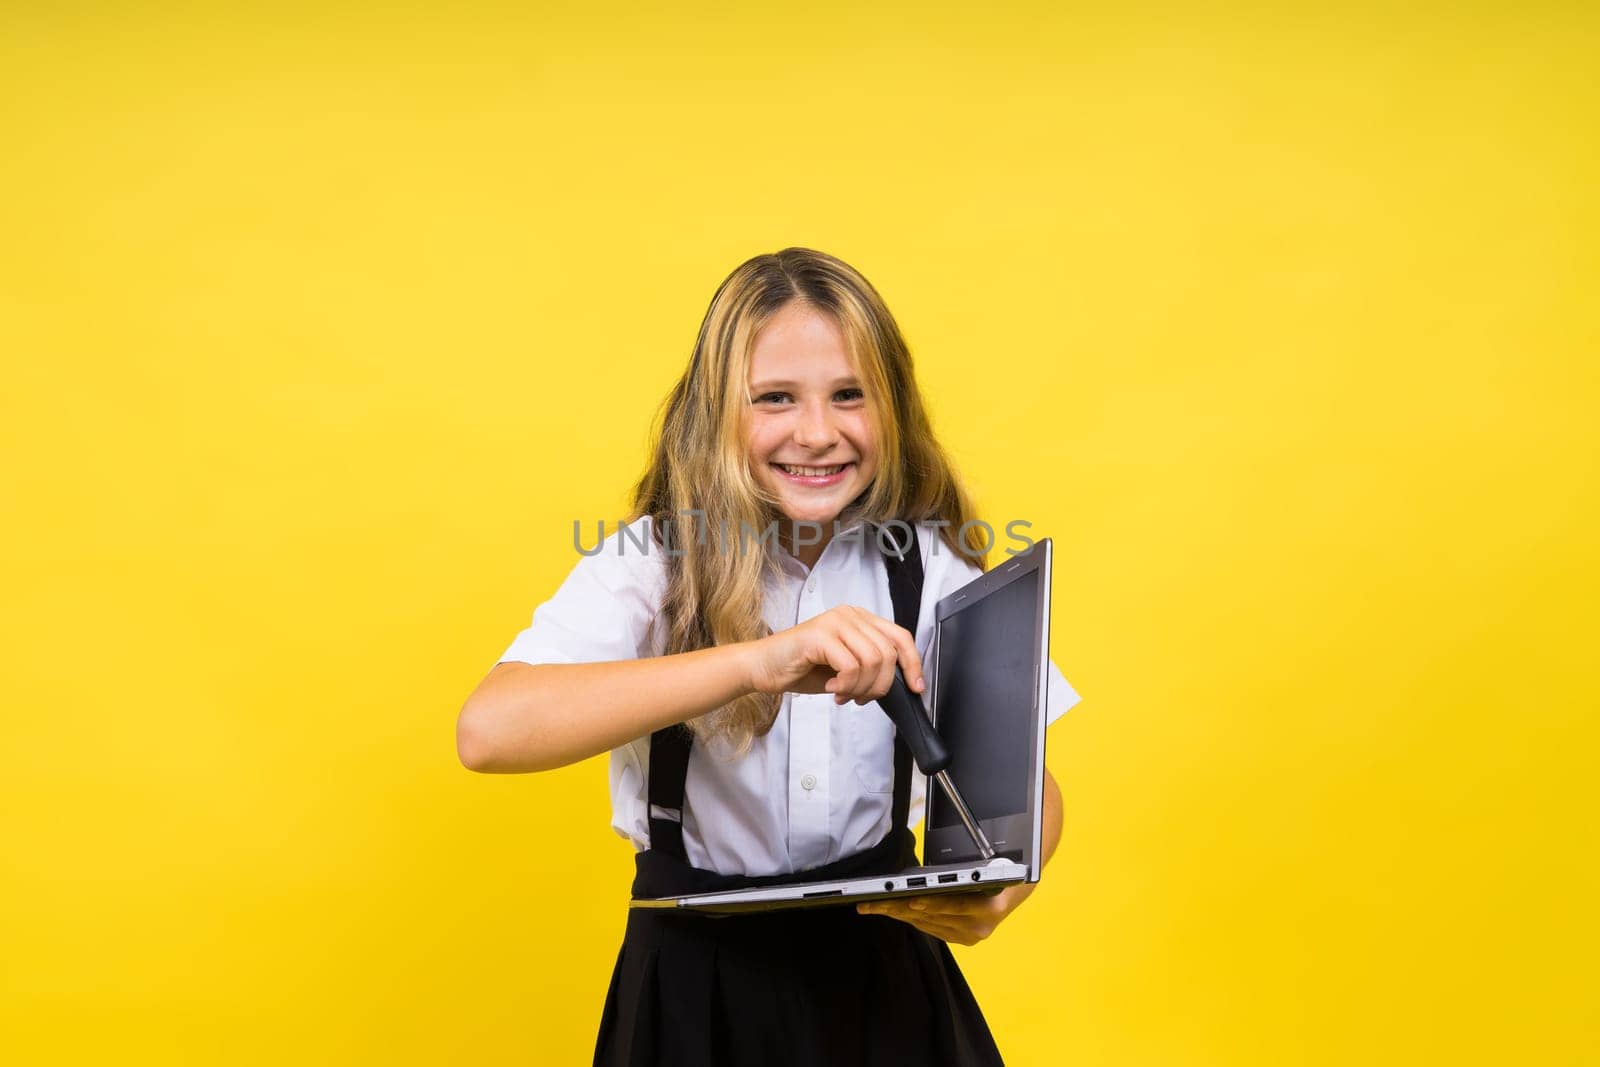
x=795, y=525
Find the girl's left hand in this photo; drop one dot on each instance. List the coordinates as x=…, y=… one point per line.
x=965, y=918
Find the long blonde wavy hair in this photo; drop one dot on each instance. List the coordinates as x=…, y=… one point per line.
x=699, y=479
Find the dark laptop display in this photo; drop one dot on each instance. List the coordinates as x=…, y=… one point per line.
x=987, y=704
x=986, y=698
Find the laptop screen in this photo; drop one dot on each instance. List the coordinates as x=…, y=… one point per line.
x=987, y=678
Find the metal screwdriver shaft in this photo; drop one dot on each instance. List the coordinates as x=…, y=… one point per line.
x=985, y=849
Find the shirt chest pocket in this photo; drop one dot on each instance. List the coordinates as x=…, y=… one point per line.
x=871, y=747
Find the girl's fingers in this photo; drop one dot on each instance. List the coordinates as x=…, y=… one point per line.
x=939, y=905
x=956, y=935
x=877, y=656
x=887, y=658
x=933, y=927
x=846, y=668
x=905, y=650
x=862, y=650
x=894, y=641
x=869, y=655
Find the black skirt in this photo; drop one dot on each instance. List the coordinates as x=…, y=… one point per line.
x=812, y=986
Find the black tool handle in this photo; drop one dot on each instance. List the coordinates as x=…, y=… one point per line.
x=905, y=710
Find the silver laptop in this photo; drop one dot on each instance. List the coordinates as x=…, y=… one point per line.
x=989, y=664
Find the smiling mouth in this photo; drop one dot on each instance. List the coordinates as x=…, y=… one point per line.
x=811, y=472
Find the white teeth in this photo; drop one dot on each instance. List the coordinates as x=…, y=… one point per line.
x=812, y=472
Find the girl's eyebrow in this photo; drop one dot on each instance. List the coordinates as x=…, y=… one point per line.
x=838, y=383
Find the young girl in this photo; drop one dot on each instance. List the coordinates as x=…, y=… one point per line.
x=726, y=647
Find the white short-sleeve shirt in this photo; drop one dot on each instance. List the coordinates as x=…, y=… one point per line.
x=818, y=785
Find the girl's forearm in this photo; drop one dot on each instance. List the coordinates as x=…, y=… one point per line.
x=536, y=718
x=1051, y=830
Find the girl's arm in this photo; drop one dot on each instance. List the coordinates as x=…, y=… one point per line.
x=536, y=718
x=524, y=717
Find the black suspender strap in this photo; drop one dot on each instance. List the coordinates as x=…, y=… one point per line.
x=905, y=590
x=669, y=766
x=669, y=747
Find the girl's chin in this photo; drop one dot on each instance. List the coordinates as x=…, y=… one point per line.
x=816, y=506
x=819, y=518
x=823, y=513
x=822, y=505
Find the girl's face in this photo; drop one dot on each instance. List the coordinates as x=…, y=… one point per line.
x=810, y=435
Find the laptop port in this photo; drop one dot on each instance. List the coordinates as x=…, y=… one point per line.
x=946, y=879
x=916, y=883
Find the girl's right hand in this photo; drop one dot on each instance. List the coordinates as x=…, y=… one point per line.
x=847, y=651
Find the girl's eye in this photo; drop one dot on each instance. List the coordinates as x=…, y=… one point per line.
x=844, y=396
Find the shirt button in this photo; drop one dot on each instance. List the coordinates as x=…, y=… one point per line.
x=808, y=782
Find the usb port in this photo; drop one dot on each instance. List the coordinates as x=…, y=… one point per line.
x=916, y=883
x=945, y=879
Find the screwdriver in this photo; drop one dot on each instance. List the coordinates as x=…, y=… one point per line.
x=929, y=750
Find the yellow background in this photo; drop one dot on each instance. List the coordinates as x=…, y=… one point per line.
x=320, y=327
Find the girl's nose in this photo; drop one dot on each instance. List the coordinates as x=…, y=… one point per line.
x=816, y=429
